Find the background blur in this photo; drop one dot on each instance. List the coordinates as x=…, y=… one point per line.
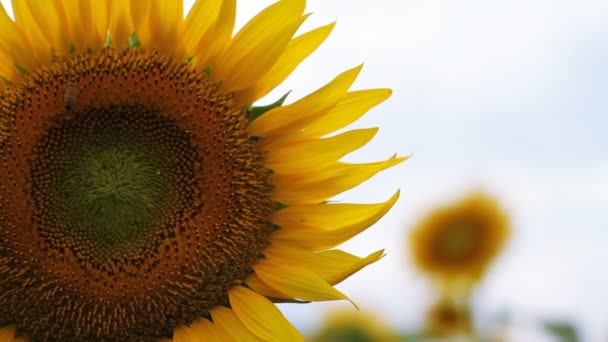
x=505, y=96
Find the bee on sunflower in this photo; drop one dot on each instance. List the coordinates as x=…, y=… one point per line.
x=144, y=198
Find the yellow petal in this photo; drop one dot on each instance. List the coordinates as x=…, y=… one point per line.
x=339, y=265
x=304, y=155
x=214, y=42
x=231, y=328
x=70, y=16
x=140, y=14
x=166, y=23
x=353, y=106
x=47, y=22
x=13, y=44
x=120, y=22
x=200, y=20
x=84, y=24
x=92, y=29
x=261, y=316
x=320, y=185
x=297, y=282
x=258, y=45
x=200, y=330
x=38, y=43
x=297, y=50
x=285, y=119
x=209, y=332
x=7, y=334
x=323, y=226
x=7, y=67
x=333, y=265
x=258, y=285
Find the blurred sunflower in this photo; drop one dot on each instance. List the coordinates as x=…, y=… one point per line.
x=354, y=326
x=456, y=243
x=144, y=198
x=448, y=317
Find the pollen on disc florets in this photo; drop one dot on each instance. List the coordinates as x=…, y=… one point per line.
x=132, y=208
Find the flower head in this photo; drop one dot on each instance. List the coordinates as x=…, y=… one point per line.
x=143, y=197
x=449, y=317
x=456, y=243
x=344, y=326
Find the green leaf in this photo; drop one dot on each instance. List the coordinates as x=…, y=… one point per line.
x=565, y=331
x=255, y=112
x=21, y=69
x=108, y=41
x=279, y=205
x=133, y=41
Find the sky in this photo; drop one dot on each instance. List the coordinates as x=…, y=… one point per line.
x=505, y=96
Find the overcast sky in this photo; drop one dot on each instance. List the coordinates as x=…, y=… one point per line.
x=507, y=96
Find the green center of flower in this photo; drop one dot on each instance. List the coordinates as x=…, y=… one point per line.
x=117, y=191
x=458, y=241
x=108, y=180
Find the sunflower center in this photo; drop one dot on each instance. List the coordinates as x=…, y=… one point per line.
x=114, y=188
x=131, y=209
x=458, y=242
x=116, y=173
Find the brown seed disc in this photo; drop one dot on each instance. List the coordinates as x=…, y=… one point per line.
x=131, y=198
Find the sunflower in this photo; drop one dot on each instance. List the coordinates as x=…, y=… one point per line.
x=456, y=243
x=144, y=198
x=355, y=326
x=448, y=317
